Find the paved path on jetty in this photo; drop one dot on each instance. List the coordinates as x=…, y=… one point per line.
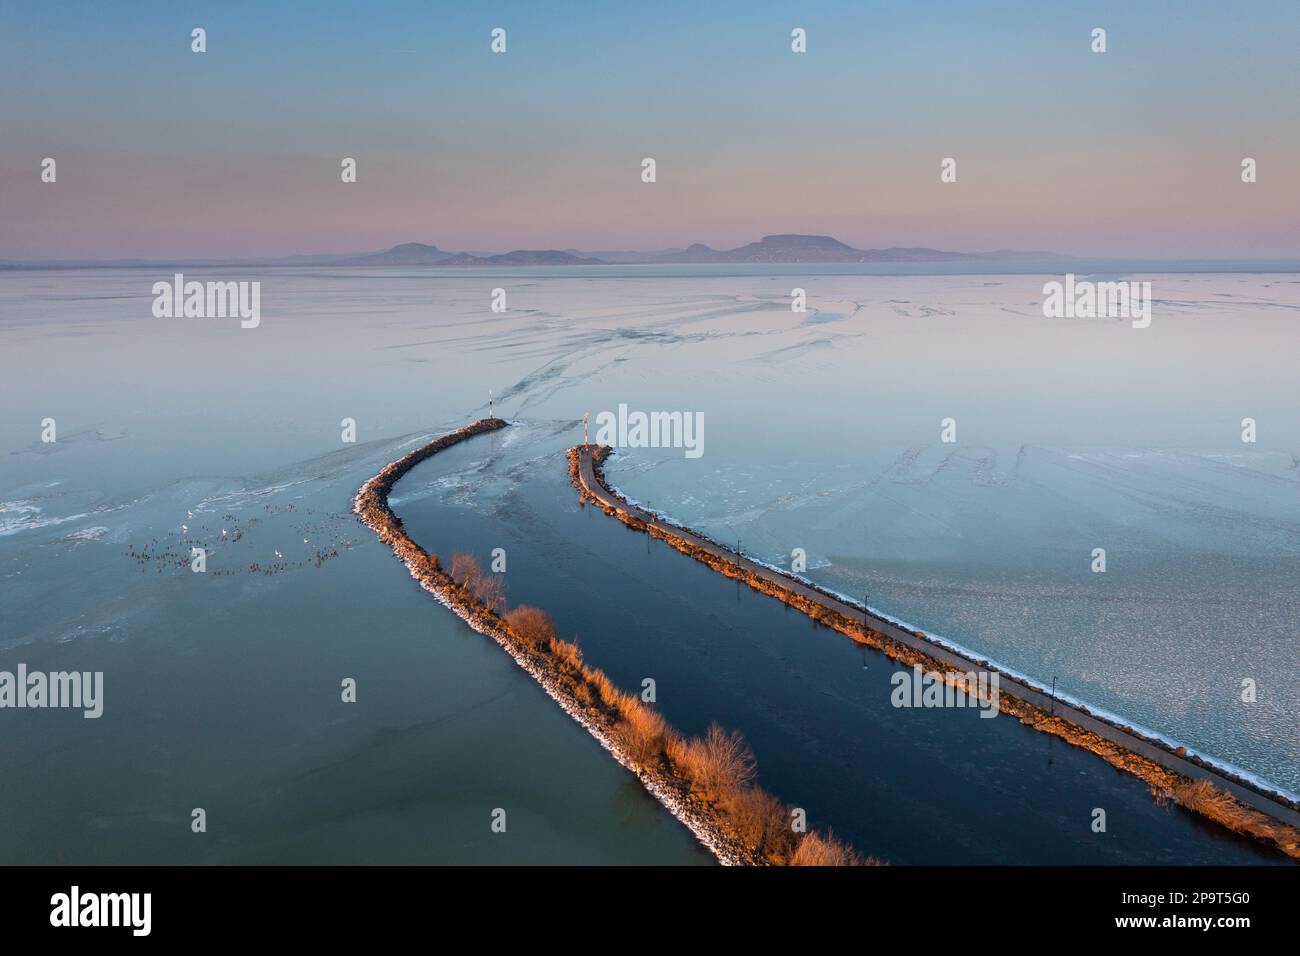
x=1007, y=684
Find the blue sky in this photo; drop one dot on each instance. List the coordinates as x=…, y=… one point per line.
x=1134, y=152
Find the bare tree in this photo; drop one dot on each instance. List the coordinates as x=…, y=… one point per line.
x=491, y=590
x=721, y=765
x=465, y=570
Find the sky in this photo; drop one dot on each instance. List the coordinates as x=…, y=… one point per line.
x=163, y=152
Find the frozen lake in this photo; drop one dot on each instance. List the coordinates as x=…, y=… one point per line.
x=822, y=433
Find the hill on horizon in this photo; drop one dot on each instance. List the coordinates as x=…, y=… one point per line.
x=777, y=248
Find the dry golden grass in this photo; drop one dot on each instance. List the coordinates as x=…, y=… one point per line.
x=641, y=733
x=605, y=689
x=762, y=823
x=719, y=769
x=720, y=765
x=567, y=656
x=1201, y=796
x=817, y=850
x=627, y=705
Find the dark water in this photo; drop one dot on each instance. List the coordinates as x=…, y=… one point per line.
x=911, y=786
x=222, y=691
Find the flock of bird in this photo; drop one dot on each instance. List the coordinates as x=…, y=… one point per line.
x=174, y=552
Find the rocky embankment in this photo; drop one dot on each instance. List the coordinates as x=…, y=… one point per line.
x=1199, y=796
x=707, y=784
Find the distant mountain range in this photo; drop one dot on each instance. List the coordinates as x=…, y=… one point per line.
x=796, y=248
x=419, y=254
x=407, y=254
x=770, y=249
x=784, y=248
x=522, y=257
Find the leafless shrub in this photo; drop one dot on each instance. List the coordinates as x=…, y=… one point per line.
x=532, y=626
x=491, y=590
x=762, y=823
x=720, y=765
x=465, y=570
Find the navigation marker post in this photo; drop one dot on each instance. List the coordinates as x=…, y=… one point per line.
x=585, y=446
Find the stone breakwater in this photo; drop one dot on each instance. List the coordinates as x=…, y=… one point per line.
x=583, y=692
x=1171, y=773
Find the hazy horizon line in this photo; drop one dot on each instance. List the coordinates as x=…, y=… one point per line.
x=302, y=258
